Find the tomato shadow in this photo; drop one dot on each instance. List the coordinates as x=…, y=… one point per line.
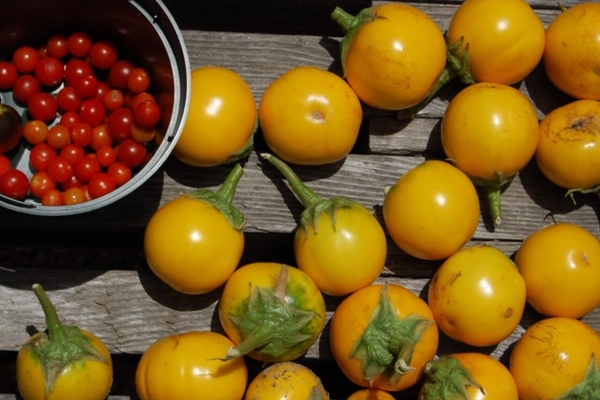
x=551, y=197
x=168, y=297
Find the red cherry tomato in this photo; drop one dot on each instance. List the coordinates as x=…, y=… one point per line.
x=40, y=183
x=24, y=87
x=57, y=46
x=60, y=169
x=86, y=168
x=40, y=155
x=131, y=153
x=79, y=44
x=50, y=71
x=119, y=73
x=68, y=99
x=86, y=86
x=147, y=114
x=101, y=184
x=138, y=80
x=75, y=69
x=14, y=184
x=25, y=59
x=43, y=106
x=120, y=122
x=103, y=54
x=8, y=75
x=92, y=112
x=120, y=172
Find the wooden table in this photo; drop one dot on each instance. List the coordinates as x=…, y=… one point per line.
x=93, y=267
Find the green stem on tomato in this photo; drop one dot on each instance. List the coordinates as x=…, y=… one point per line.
x=494, y=196
x=222, y=199
x=447, y=378
x=56, y=330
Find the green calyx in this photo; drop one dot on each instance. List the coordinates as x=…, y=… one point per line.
x=60, y=345
x=493, y=188
x=447, y=378
x=223, y=198
x=315, y=206
x=388, y=343
x=459, y=61
x=587, y=389
x=271, y=327
x=351, y=24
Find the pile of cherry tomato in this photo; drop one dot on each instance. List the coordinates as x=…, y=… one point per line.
x=90, y=118
x=383, y=337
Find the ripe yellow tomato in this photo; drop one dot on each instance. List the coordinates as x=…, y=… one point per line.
x=286, y=380
x=561, y=267
x=221, y=121
x=468, y=376
x=365, y=329
x=554, y=356
x=271, y=311
x=432, y=211
x=393, y=54
x=490, y=131
x=567, y=152
x=187, y=366
x=477, y=296
x=310, y=116
x=339, y=243
x=92, y=378
x=195, y=242
x=504, y=39
x=371, y=394
x=572, y=51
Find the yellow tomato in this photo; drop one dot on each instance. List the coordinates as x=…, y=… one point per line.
x=221, y=121
x=554, y=356
x=271, y=311
x=490, y=131
x=90, y=378
x=339, y=243
x=572, y=51
x=432, y=211
x=195, y=242
x=477, y=296
x=370, y=394
x=382, y=336
x=187, y=366
x=286, y=381
x=504, y=39
x=567, y=152
x=393, y=54
x=561, y=267
x=468, y=376
x=310, y=116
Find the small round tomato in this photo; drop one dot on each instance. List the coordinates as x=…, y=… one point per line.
x=40, y=154
x=119, y=73
x=557, y=358
x=120, y=122
x=220, y=125
x=310, y=105
x=561, y=267
x=14, y=184
x=286, y=380
x=504, y=40
x=120, y=172
x=189, y=366
x=68, y=99
x=138, y=80
x=490, y=131
x=432, y=211
x=24, y=87
x=191, y=244
x=75, y=69
x=364, y=333
x=35, y=131
x=566, y=152
x=58, y=136
x=8, y=75
x=60, y=169
x=5, y=164
x=92, y=111
x=82, y=134
x=101, y=184
x=283, y=295
x=25, y=59
x=41, y=182
x=86, y=167
x=477, y=296
x=371, y=394
x=103, y=54
x=86, y=86
x=52, y=197
x=468, y=376
x=43, y=106
x=131, y=153
x=392, y=55
x=50, y=71
x=57, y=46
x=147, y=114
x=73, y=195
x=79, y=44
x=572, y=51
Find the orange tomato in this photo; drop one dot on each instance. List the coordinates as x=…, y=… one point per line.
x=560, y=264
x=477, y=296
x=286, y=380
x=572, y=51
x=310, y=116
x=393, y=54
x=468, y=376
x=556, y=357
x=370, y=394
x=504, y=39
x=567, y=152
x=382, y=336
